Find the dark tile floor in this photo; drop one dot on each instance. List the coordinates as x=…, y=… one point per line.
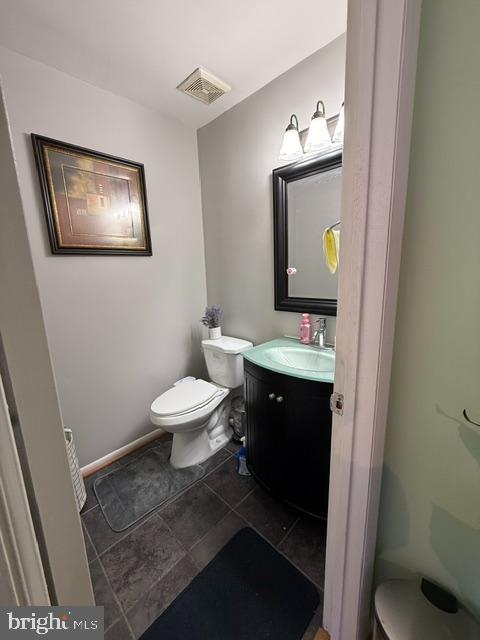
x=137, y=573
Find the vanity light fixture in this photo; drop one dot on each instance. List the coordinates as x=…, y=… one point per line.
x=338, y=135
x=291, y=148
x=318, y=138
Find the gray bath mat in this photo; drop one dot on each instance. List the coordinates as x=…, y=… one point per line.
x=130, y=492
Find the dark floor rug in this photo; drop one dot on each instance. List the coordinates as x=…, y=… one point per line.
x=247, y=592
x=130, y=492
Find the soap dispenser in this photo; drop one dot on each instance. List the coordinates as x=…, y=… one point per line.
x=305, y=329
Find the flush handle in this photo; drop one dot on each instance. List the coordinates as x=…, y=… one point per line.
x=271, y=396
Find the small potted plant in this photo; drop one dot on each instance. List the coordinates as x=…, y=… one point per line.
x=211, y=319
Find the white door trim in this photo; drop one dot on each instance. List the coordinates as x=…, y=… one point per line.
x=382, y=42
x=23, y=579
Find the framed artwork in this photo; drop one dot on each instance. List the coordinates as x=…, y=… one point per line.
x=94, y=203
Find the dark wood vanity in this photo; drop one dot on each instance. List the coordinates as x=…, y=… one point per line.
x=289, y=427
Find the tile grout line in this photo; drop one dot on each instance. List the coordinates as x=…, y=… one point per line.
x=128, y=531
x=172, y=499
x=119, y=604
x=207, y=473
x=124, y=611
x=82, y=512
x=87, y=534
x=210, y=531
x=289, y=530
x=128, y=626
x=172, y=533
x=244, y=498
x=223, y=499
x=252, y=526
x=152, y=586
x=279, y=550
x=193, y=484
x=155, y=583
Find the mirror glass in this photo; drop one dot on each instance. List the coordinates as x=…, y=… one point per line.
x=306, y=202
x=313, y=205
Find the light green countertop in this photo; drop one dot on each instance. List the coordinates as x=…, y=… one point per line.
x=292, y=358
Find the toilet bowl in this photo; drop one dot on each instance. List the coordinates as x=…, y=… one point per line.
x=197, y=411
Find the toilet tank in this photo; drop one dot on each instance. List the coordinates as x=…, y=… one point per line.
x=224, y=360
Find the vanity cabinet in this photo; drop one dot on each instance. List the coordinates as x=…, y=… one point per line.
x=289, y=427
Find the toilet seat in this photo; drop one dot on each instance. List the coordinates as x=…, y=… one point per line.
x=184, y=399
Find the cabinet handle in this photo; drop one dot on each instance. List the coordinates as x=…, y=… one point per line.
x=279, y=398
x=271, y=396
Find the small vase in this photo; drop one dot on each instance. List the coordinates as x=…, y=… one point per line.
x=214, y=333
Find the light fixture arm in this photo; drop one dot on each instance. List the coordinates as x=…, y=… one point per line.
x=291, y=124
x=318, y=113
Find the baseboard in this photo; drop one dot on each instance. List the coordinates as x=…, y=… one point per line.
x=96, y=465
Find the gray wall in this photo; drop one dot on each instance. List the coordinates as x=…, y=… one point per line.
x=237, y=153
x=120, y=329
x=430, y=516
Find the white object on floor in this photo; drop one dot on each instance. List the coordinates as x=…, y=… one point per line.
x=196, y=411
x=403, y=612
x=77, y=479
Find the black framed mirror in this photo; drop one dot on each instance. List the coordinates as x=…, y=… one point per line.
x=306, y=201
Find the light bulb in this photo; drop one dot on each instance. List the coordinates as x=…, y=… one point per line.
x=318, y=138
x=291, y=148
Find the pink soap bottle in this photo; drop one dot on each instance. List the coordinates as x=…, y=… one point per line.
x=305, y=329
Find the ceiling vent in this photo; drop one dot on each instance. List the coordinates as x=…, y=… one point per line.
x=204, y=86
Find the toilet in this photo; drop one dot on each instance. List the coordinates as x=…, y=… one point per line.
x=197, y=411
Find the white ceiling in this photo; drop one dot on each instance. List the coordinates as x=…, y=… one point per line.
x=142, y=49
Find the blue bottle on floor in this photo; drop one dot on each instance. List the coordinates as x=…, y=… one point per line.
x=242, y=460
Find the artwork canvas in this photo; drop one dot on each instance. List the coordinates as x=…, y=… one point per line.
x=94, y=203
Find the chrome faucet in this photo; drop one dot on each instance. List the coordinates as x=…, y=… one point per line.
x=320, y=335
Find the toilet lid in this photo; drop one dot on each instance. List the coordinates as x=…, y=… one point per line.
x=184, y=397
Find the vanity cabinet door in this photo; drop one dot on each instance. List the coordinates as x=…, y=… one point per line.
x=265, y=417
x=289, y=427
x=307, y=439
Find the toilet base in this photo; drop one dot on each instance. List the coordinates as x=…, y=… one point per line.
x=194, y=447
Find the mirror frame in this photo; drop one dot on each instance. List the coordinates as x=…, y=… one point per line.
x=281, y=177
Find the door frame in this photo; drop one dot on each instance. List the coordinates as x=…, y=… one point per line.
x=382, y=43
x=21, y=565
x=34, y=411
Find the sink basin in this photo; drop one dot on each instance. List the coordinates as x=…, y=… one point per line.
x=302, y=357
x=288, y=356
